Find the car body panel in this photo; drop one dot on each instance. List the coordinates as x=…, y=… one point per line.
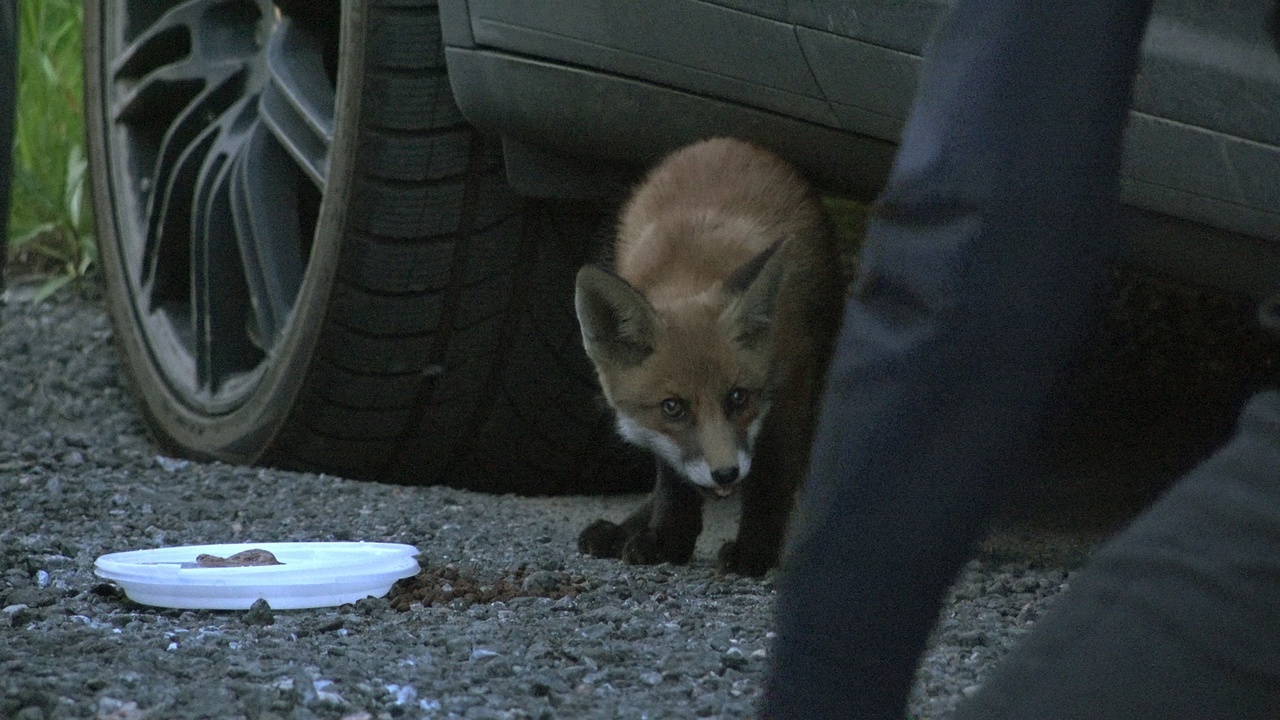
x=641, y=77
x=593, y=115
x=875, y=103
x=695, y=46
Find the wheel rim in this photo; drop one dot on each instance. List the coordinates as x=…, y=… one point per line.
x=219, y=118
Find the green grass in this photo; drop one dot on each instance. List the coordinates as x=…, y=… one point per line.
x=50, y=224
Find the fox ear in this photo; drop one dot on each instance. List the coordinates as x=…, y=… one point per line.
x=619, y=326
x=756, y=283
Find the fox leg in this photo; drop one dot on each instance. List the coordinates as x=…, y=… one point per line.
x=768, y=492
x=778, y=466
x=767, y=496
x=663, y=529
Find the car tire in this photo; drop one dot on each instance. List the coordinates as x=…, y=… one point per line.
x=312, y=261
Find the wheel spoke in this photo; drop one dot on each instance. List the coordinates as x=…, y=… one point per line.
x=172, y=58
x=297, y=102
x=219, y=296
x=186, y=134
x=179, y=84
x=264, y=203
x=164, y=40
x=166, y=259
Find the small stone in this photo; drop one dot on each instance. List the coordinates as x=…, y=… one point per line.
x=403, y=694
x=259, y=613
x=169, y=464
x=652, y=679
x=13, y=613
x=32, y=597
x=113, y=709
x=372, y=606
x=108, y=591
x=542, y=581
x=31, y=712
x=330, y=624
x=733, y=658
x=326, y=692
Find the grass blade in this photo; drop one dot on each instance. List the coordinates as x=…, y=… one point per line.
x=51, y=286
x=50, y=215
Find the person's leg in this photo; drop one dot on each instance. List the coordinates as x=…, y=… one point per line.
x=8, y=103
x=981, y=274
x=1178, y=617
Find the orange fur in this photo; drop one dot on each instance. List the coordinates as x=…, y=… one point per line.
x=704, y=212
x=725, y=302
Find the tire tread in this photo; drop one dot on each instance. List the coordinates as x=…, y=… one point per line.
x=449, y=349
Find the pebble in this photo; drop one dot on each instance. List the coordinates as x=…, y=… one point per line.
x=542, y=581
x=734, y=658
x=259, y=613
x=13, y=613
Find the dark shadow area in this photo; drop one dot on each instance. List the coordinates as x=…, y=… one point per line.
x=1155, y=393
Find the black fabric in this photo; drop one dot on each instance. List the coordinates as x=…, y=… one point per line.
x=983, y=270
x=1177, y=618
x=8, y=103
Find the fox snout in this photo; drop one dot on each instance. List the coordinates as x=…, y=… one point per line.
x=721, y=481
x=725, y=476
x=720, y=459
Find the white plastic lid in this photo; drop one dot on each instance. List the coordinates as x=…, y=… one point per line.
x=311, y=575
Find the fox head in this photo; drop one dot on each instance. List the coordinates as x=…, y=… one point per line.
x=689, y=378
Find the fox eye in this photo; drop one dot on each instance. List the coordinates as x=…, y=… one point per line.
x=674, y=408
x=736, y=400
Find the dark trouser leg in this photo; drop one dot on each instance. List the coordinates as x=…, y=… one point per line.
x=8, y=103
x=1177, y=617
x=981, y=275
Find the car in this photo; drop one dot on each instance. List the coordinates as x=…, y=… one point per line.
x=341, y=237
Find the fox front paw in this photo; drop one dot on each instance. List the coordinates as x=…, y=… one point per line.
x=648, y=548
x=602, y=539
x=739, y=559
x=636, y=546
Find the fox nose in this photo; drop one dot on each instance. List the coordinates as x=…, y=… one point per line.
x=725, y=476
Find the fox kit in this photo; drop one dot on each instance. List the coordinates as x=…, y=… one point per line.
x=710, y=339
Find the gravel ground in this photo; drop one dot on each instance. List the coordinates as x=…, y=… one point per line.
x=568, y=637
